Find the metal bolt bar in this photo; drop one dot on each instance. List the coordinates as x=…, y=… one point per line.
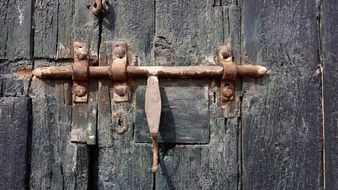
x=101, y=72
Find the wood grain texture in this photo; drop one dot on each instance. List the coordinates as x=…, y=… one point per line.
x=15, y=77
x=185, y=112
x=57, y=24
x=188, y=33
x=122, y=163
x=16, y=32
x=55, y=161
x=329, y=58
x=281, y=113
x=132, y=21
x=15, y=116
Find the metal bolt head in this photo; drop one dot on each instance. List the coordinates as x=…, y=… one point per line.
x=80, y=90
x=228, y=91
x=81, y=50
x=120, y=49
x=120, y=90
x=225, y=52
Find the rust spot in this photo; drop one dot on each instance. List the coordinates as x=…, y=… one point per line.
x=25, y=73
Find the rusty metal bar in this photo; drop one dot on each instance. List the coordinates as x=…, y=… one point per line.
x=101, y=72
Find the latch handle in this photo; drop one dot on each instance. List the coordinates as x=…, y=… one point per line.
x=153, y=113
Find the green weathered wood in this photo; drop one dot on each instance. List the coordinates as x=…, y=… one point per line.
x=132, y=21
x=122, y=163
x=185, y=113
x=16, y=32
x=15, y=116
x=104, y=119
x=188, y=33
x=45, y=159
x=84, y=118
x=57, y=25
x=54, y=29
x=329, y=49
x=281, y=113
x=211, y=166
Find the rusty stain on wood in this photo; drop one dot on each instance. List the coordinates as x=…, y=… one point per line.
x=25, y=73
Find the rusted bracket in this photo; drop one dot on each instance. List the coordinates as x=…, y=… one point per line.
x=80, y=72
x=120, y=72
x=224, y=58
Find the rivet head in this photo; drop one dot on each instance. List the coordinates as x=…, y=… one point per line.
x=80, y=91
x=228, y=91
x=81, y=50
x=120, y=90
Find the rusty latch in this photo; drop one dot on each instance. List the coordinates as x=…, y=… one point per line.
x=120, y=72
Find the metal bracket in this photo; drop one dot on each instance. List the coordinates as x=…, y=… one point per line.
x=80, y=69
x=118, y=72
x=225, y=59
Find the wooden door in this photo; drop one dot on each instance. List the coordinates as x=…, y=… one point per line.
x=279, y=133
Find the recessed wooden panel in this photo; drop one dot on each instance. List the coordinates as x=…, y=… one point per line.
x=184, y=116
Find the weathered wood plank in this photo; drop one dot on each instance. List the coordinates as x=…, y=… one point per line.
x=56, y=162
x=213, y=166
x=57, y=24
x=132, y=21
x=122, y=163
x=185, y=113
x=45, y=28
x=15, y=129
x=45, y=161
x=15, y=35
x=84, y=118
x=329, y=49
x=125, y=167
x=281, y=113
x=188, y=33
x=15, y=77
x=53, y=29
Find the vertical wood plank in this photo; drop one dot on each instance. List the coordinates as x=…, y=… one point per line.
x=16, y=32
x=53, y=29
x=45, y=160
x=188, y=33
x=15, y=113
x=57, y=162
x=122, y=163
x=281, y=112
x=329, y=57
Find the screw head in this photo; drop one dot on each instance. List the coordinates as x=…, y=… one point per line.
x=80, y=91
x=120, y=90
x=227, y=91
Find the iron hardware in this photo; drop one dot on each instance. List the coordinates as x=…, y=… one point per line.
x=119, y=71
x=80, y=72
x=99, y=6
